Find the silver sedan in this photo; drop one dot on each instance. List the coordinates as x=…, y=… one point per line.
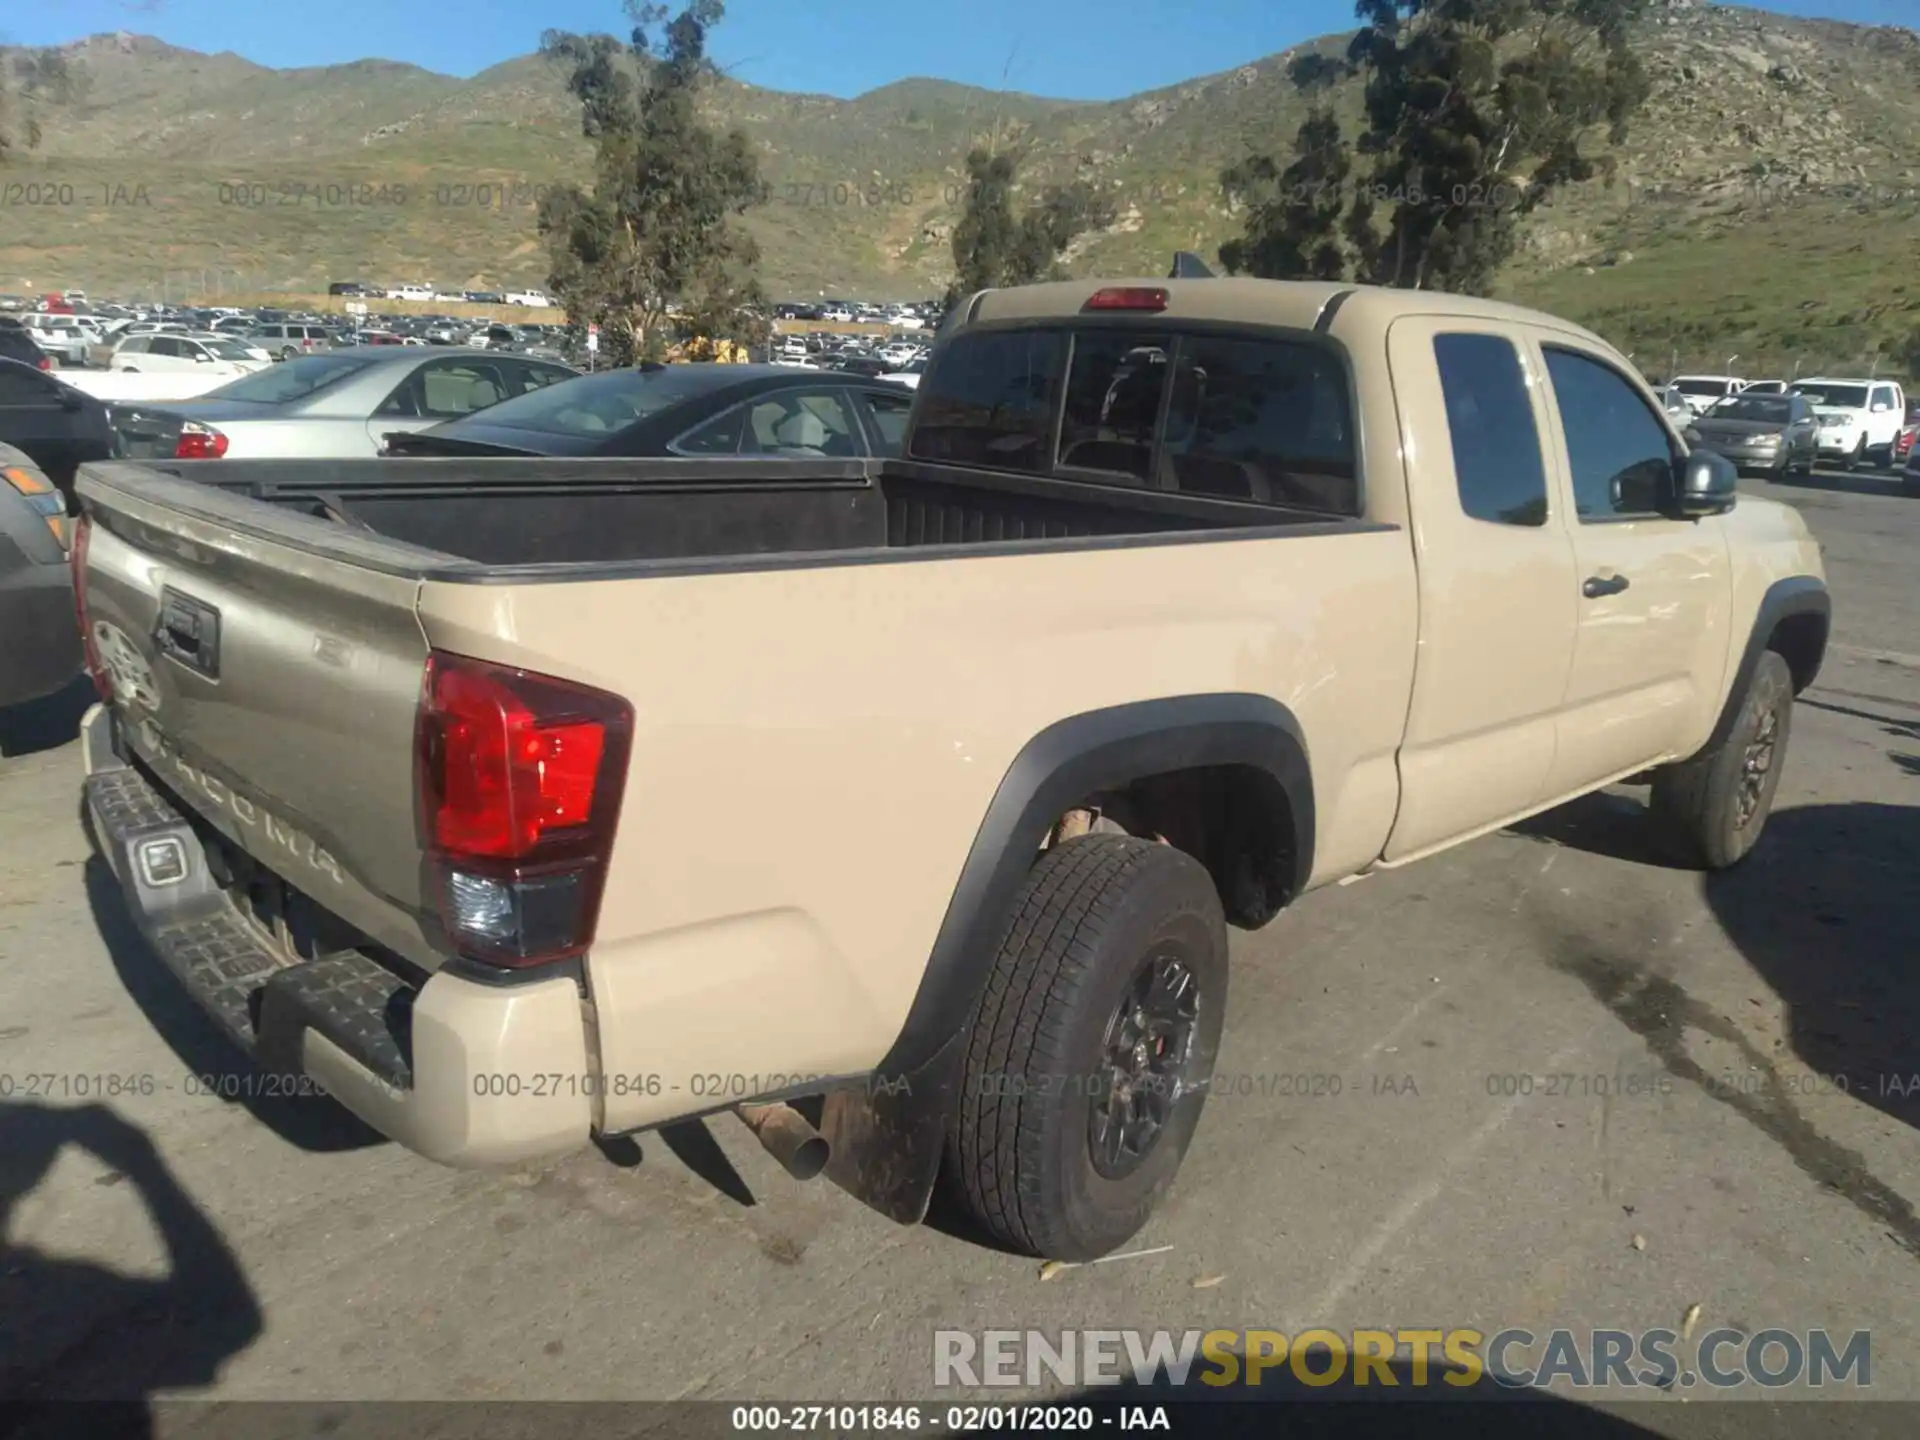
x=337, y=405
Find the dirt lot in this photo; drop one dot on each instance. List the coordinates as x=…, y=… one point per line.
x=1433, y=1173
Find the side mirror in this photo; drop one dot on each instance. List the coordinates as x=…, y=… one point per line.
x=202, y=358
x=1709, y=485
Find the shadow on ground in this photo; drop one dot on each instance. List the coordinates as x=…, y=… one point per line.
x=74, y=1330
x=47, y=723
x=210, y=1062
x=1827, y=911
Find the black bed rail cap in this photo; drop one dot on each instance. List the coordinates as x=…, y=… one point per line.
x=1189, y=266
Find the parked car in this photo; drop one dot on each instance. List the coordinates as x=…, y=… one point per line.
x=908, y=375
x=205, y=352
x=58, y=427
x=1700, y=392
x=767, y=757
x=68, y=338
x=285, y=339
x=855, y=363
x=1903, y=442
x=334, y=405
x=1910, y=474
x=1777, y=434
x=42, y=650
x=740, y=410
x=1859, y=419
x=17, y=343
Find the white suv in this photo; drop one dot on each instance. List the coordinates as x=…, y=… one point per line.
x=1859, y=419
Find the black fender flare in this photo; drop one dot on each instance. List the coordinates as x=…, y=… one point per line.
x=887, y=1138
x=1795, y=595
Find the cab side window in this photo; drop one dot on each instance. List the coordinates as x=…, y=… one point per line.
x=1496, y=445
x=1620, y=455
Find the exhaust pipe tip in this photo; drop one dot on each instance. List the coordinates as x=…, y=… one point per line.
x=783, y=1132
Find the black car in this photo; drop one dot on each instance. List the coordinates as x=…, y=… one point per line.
x=42, y=649
x=871, y=366
x=1778, y=434
x=60, y=428
x=695, y=409
x=17, y=343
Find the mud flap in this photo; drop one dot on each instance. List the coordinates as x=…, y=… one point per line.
x=888, y=1136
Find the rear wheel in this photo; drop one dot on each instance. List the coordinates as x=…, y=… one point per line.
x=1088, y=1060
x=1712, y=809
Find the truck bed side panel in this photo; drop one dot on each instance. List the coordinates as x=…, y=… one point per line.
x=815, y=748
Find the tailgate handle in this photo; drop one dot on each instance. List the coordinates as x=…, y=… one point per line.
x=189, y=632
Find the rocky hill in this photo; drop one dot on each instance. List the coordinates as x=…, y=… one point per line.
x=1767, y=202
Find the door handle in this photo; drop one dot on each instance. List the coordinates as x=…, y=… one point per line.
x=1599, y=585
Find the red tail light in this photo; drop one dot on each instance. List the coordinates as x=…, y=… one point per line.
x=102, y=678
x=519, y=778
x=199, y=442
x=45, y=362
x=1128, y=297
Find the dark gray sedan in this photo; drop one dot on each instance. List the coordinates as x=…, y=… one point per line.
x=1775, y=434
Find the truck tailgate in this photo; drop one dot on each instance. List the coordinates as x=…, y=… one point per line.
x=266, y=667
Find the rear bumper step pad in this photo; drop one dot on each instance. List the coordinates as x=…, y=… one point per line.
x=265, y=1001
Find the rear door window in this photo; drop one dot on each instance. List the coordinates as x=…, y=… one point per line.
x=1497, y=462
x=990, y=400
x=889, y=412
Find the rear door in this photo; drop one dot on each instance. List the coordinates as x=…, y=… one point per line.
x=1653, y=593
x=33, y=419
x=887, y=417
x=436, y=391
x=1497, y=580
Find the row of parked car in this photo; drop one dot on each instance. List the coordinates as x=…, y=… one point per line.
x=235, y=341
x=1786, y=426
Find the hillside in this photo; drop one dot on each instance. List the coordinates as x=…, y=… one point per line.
x=1768, y=201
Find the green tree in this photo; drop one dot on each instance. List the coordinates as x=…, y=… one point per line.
x=1474, y=114
x=1292, y=226
x=996, y=244
x=30, y=81
x=657, y=234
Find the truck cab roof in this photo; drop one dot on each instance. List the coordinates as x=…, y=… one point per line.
x=1242, y=300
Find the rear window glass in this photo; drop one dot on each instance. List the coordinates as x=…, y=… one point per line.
x=990, y=399
x=1114, y=385
x=292, y=379
x=1264, y=420
x=612, y=400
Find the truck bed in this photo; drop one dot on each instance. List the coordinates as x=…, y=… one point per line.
x=514, y=512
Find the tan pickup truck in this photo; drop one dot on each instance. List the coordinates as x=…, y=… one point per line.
x=903, y=806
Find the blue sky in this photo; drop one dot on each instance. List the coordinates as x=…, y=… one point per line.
x=1073, y=49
